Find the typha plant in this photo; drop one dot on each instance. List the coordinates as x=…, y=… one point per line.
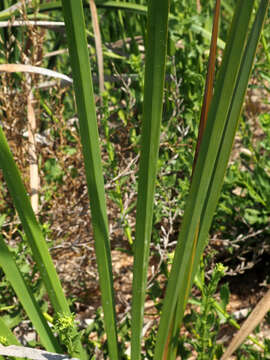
x=221, y=112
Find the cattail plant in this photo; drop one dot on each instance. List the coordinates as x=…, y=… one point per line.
x=216, y=140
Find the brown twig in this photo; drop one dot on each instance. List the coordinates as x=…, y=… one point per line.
x=98, y=44
x=32, y=149
x=251, y=322
x=208, y=91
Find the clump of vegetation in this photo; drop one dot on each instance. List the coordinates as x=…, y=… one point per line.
x=129, y=145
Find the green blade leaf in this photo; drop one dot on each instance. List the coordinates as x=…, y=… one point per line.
x=6, y=333
x=157, y=30
x=227, y=138
x=26, y=298
x=180, y=277
x=31, y=227
x=230, y=129
x=33, y=232
x=75, y=27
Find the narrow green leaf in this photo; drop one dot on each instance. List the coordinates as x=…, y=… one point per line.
x=180, y=277
x=31, y=227
x=208, y=93
x=33, y=231
x=56, y=5
x=117, y=5
x=27, y=299
x=6, y=332
x=122, y=5
x=230, y=129
x=75, y=27
x=228, y=136
x=157, y=30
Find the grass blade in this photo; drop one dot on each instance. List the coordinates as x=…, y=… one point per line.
x=75, y=27
x=231, y=127
x=31, y=227
x=122, y=5
x=6, y=333
x=7, y=336
x=117, y=5
x=33, y=232
x=27, y=299
x=170, y=350
x=180, y=277
x=227, y=141
x=158, y=11
x=228, y=137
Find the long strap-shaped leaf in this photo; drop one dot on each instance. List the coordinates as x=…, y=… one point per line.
x=27, y=299
x=180, y=277
x=225, y=150
x=158, y=11
x=31, y=227
x=208, y=91
x=227, y=139
x=171, y=346
x=125, y=6
x=230, y=129
x=228, y=136
x=33, y=231
x=79, y=58
x=229, y=133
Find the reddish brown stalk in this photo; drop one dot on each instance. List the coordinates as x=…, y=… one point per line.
x=208, y=91
x=166, y=348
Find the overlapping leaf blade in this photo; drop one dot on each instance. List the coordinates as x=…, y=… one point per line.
x=227, y=141
x=181, y=273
